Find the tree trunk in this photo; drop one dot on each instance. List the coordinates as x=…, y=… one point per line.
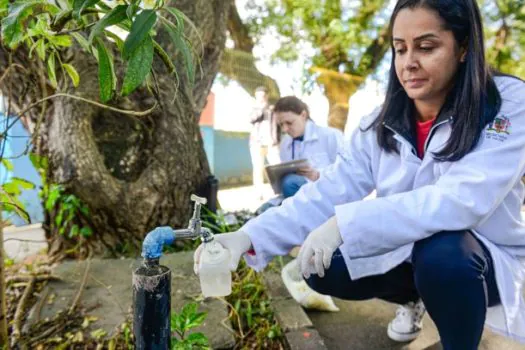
x=132, y=173
x=4, y=340
x=338, y=88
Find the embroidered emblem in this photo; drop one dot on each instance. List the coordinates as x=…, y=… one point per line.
x=500, y=125
x=499, y=128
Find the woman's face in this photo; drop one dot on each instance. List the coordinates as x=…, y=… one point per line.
x=292, y=123
x=427, y=56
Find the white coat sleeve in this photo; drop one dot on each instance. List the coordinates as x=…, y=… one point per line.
x=279, y=229
x=338, y=144
x=462, y=197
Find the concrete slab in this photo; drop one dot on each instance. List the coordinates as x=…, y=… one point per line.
x=23, y=241
x=305, y=339
x=109, y=292
x=361, y=325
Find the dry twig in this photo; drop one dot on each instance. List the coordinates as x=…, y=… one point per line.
x=81, y=288
x=109, y=291
x=38, y=278
x=20, y=309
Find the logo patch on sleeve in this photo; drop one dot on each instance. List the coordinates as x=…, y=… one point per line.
x=499, y=129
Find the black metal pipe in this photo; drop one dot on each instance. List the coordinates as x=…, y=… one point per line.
x=151, y=306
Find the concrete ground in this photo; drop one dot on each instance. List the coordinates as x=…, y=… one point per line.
x=361, y=325
x=358, y=326
x=108, y=294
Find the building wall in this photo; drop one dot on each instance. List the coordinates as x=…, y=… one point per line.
x=232, y=163
x=227, y=151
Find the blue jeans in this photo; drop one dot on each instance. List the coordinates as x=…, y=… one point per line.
x=452, y=272
x=291, y=183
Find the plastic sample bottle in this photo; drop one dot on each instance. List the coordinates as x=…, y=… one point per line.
x=214, y=270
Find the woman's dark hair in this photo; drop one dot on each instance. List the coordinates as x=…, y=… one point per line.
x=474, y=100
x=291, y=104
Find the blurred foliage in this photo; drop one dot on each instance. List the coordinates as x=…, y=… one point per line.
x=505, y=35
x=331, y=34
x=339, y=35
x=10, y=191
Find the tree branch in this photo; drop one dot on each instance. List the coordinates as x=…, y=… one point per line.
x=95, y=103
x=374, y=53
x=239, y=64
x=238, y=31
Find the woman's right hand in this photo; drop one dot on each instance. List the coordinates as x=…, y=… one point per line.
x=237, y=243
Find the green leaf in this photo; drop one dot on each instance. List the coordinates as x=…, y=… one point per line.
x=198, y=339
x=22, y=183
x=98, y=333
x=80, y=5
x=82, y=41
x=4, y=5
x=195, y=320
x=73, y=74
x=139, y=31
x=54, y=194
x=41, y=49
x=12, y=28
x=60, y=40
x=13, y=205
x=11, y=189
x=86, y=231
x=179, y=17
x=133, y=8
x=51, y=70
x=139, y=66
x=84, y=210
x=58, y=219
x=189, y=310
x=164, y=57
x=40, y=28
x=74, y=231
x=107, y=79
x=39, y=162
x=182, y=45
x=118, y=41
x=7, y=164
x=115, y=16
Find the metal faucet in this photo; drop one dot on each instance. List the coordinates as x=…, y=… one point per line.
x=195, y=229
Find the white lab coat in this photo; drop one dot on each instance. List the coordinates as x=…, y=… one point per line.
x=320, y=146
x=416, y=198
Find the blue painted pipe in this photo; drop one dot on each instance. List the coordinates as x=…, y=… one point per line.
x=152, y=294
x=152, y=285
x=155, y=240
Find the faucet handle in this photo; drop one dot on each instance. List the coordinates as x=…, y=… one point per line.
x=198, y=200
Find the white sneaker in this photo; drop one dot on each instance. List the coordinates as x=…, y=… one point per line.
x=408, y=322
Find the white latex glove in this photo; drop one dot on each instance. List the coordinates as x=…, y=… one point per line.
x=318, y=248
x=237, y=243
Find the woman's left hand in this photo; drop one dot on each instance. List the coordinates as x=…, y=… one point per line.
x=308, y=172
x=319, y=247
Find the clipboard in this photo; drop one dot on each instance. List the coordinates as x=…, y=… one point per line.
x=276, y=172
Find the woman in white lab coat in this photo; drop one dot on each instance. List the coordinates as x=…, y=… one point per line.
x=445, y=154
x=304, y=140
